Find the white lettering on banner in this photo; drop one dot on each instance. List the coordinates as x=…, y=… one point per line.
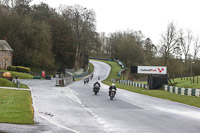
x=152, y=69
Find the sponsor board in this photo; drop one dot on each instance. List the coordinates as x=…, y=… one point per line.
x=152, y=69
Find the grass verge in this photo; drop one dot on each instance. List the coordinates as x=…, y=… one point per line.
x=190, y=100
x=16, y=107
x=8, y=83
x=91, y=68
x=187, y=83
x=19, y=74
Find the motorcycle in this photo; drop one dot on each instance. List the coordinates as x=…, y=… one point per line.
x=112, y=94
x=96, y=90
x=85, y=81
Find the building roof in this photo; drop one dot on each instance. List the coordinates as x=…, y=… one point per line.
x=5, y=46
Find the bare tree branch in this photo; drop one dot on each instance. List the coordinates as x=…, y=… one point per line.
x=170, y=40
x=196, y=47
x=185, y=42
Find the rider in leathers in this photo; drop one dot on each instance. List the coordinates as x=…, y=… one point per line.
x=96, y=84
x=112, y=87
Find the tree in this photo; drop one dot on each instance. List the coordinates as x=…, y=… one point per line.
x=126, y=46
x=196, y=48
x=185, y=42
x=62, y=44
x=30, y=39
x=43, y=12
x=82, y=22
x=169, y=41
x=150, y=50
x=22, y=7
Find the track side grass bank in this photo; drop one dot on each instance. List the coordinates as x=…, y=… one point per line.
x=16, y=107
x=91, y=68
x=8, y=83
x=19, y=74
x=189, y=100
x=187, y=83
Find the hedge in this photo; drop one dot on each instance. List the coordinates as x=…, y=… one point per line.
x=19, y=69
x=12, y=68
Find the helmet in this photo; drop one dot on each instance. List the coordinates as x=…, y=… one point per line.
x=113, y=84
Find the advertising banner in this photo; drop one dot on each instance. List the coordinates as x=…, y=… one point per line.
x=152, y=70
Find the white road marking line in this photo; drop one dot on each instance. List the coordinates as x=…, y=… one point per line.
x=72, y=96
x=75, y=98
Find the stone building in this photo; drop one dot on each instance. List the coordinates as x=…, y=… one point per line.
x=5, y=55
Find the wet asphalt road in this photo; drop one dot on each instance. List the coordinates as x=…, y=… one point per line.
x=77, y=109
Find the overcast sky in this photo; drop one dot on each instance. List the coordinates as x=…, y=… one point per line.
x=149, y=16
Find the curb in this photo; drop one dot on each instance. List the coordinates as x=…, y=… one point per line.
x=13, y=88
x=182, y=91
x=131, y=83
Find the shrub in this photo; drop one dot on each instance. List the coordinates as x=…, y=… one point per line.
x=12, y=68
x=19, y=69
x=23, y=69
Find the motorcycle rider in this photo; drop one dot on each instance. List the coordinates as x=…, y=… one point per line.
x=96, y=84
x=88, y=79
x=91, y=77
x=112, y=87
x=85, y=81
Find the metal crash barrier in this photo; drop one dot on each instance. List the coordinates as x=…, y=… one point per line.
x=63, y=81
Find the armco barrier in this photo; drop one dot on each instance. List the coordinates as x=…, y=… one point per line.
x=182, y=91
x=107, y=59
x=131, y=83
x=100, y=58
x=83, y=74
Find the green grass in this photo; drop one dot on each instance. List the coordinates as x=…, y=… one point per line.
x=19, y=74
x=91, y=68
x=8, y=83
x=187, y=83
x=190, y=100
x=16, y=107
x=143, y=82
